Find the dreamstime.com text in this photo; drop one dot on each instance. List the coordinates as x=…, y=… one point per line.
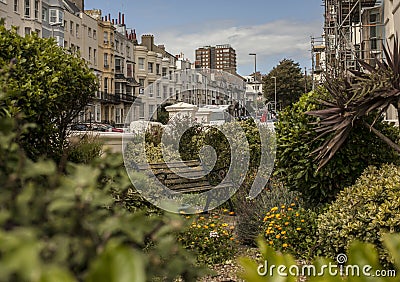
x=331, y=269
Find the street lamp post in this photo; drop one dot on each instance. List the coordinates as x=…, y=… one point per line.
x=274, y=77
x=255, y=76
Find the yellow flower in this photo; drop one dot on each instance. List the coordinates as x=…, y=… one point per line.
x=278, y=236
x=283, y=206
x=286, y=223
x=198, y=226
x=297, y=214
x=201, y=217
x=285, y=245
x=302, y=220
x=271, y=243
x=274, y=209
x=206, y=226
x=277, y=215
x=231, y=238
x=232, y=213
x=212, y=225
x=283, y=232
x=289, y=209
x=225, y=210
x=224, y=224
x=292, y=204
x=298, y=228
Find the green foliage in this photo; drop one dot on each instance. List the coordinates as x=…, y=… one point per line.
x=84, y=149
x=364, y=211
x=360, y=254
x=251, y=212
x=289, y=83
x=291, y=229
x=295, y=164
x=47, y=87
x=210, y=238
x=62, y=227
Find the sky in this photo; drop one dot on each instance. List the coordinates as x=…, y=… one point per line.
x=274, y=30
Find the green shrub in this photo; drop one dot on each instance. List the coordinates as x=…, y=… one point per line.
x=84, y=149
x=361, y=256
x=210, y=238
x=295, y=164
x=364, y=211
x=48, y=87
x=251, y=212
x=67, y=226
x=291, y=229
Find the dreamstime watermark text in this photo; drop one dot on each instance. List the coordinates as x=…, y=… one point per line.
x=331, y=269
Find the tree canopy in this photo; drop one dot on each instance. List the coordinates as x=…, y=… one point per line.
x=48, y=87
x=290, y=83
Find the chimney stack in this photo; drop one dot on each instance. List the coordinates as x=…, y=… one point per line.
x=123, y=19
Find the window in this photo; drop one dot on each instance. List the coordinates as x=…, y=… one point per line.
x=157, y=69
x=151, y=90
x=53, y=16
x=141, y=110
x=36, y=9
x=106, y=60
x=117, y=45
x=165, y=91
x=141, y=82
x=164, y=71
x=118, y=67
x=90, y=53
x=94, y=34
x=77, y=30
x=27, y=30
x=45, y=15
x=129, y=70
x=89, y=32
x=105, y=85
x=128, y=51
x=16, y=6
x=150, y=67
x=95, y=56
x=105, y=37
x=60, y=16
x=71, y=28
x=141, y=63
x=27, y=9
x=158, y=90
x=151, y=110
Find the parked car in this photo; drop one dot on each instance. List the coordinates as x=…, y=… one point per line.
x=80, y=127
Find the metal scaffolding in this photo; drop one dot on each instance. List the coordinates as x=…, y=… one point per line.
x=353, y=29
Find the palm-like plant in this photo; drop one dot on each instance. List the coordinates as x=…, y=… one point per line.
x=372, y=90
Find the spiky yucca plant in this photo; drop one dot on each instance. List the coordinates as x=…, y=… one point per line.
x=351, y=100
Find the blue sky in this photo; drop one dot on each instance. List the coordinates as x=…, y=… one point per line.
x=272, y=29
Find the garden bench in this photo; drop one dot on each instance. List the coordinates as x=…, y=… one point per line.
x=193, y=178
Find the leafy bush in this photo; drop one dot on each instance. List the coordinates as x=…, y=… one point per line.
x=212, y=239
x=251, y=212
x=364, y=211
x=291, y=229
x=84, y=149
x=360, y=254
x=57, y=226
x=48, y=87
x=295, y=165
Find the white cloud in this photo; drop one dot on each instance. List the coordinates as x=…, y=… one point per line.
x=271, y=41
